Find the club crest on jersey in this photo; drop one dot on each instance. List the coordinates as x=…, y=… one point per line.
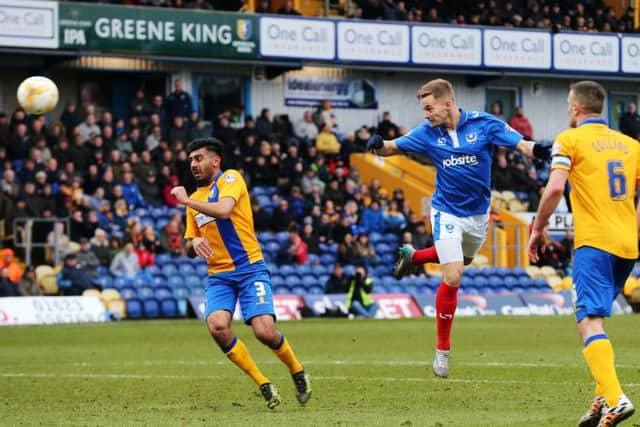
x=202, y=219
x=442, y=141
x=471, y=137
x=229, y=178
x=449, y=228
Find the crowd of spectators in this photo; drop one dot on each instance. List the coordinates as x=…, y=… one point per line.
x=104, y=173
x=583, y=15
x=566, y=15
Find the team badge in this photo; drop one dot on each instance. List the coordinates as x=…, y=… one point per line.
x=243, y=28
x=229, y=178
x=471, y=137
x=449, y=228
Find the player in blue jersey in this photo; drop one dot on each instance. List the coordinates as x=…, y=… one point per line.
x=460, y=143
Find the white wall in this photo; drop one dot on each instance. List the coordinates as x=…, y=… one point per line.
x=396, y=93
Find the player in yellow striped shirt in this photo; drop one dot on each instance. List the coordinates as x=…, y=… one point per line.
x=220, y=230
x=603, y=167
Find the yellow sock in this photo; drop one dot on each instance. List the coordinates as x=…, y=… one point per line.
x=599, y=355
x=599, y=391
x=288, y=357
x=237, y=352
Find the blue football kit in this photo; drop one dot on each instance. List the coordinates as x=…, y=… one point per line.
x=463, y=158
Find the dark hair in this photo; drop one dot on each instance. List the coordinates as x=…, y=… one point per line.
x=211, y=144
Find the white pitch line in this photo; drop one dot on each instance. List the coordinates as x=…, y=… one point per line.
x=320, y=378
x=334, y=363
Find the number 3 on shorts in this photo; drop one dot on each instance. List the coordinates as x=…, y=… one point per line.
x=260, y=291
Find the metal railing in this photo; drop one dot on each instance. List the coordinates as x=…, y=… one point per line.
x=24, y=238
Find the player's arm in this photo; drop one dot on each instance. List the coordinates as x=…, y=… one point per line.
x=220, y=209
x=533, y=149
x=380, y=147
x=551, y=196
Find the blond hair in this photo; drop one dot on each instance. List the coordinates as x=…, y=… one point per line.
x=438, y=88
x=589, y=95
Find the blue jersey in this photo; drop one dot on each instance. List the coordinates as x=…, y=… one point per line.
x=463, y=159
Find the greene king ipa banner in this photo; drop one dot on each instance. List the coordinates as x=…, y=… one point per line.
x=157, y=31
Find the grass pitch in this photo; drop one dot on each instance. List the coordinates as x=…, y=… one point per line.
x=504, y=372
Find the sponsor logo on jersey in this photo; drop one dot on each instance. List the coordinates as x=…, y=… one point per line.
x=449, y=228
x=474, y=114
x=442, y=141
x=463, y=160
x=202, y=219
x=508, y=128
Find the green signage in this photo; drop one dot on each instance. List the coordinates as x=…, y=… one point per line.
x=157, y=31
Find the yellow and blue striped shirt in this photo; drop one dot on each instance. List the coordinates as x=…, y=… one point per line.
x=232, y=240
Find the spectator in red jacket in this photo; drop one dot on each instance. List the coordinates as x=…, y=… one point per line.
x=521, y=123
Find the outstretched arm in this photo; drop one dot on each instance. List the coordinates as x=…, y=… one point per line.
x=380, y=147
x=220, y=210
x=533, y=149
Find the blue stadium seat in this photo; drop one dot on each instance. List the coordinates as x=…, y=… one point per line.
x=121, y=282
x=391, y=238
x=145, y=292
x=104, y=282
x=298, y=290
x=467, y=282
x=169, y=307
x=193, y=281
x=308, y=281
x=313, y=259
x=541, y=284
x=323, y=279
x=101, y=270
x=375, y=237
x=327, y=258
x=510, y=282
x=481, y=281
x=161, y=293
x=316, y=290
x=162, y=259
x=519, y=272
x=196, y=290
x=320, y=269
x=282, y=236
x=202, y=270
x=169, y=270
x=180, y=292
x=158, y=280
x=383, y=248
x=282, y=290
x=151, y=308
x=389, y=258
x=176, y=280
x=257, y=191
x=303, y=269
x=527, y=282
x=286, y=270
x=471, y=272
x=186, y=270
x=293, y=280
x=128, y=293
x=396, y=289
x=277, y=280
x=349, y=270
x=495, y=281
x=134, y=308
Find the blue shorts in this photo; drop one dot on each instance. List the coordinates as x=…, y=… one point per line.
x=250, y=285
x=598, y=277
